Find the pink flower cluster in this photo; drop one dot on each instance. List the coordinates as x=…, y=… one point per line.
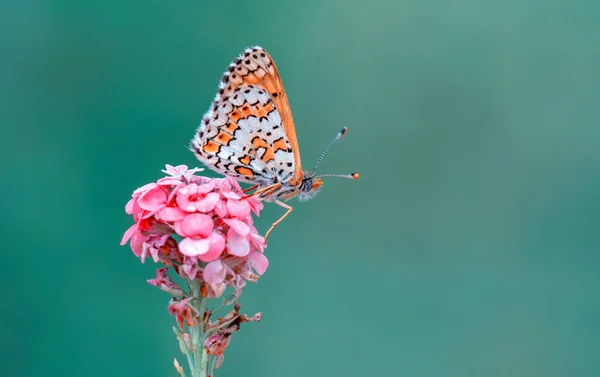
x=201, y=226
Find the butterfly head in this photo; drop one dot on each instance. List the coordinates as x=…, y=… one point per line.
x=309, y=186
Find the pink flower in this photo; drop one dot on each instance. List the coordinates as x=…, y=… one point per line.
x=152, y=246
x=257, y=240
x=214, y=272
x=259, y=262
x=238, y=208
x=214, y=275
x=153, y=200
x=217, y=245
x=192, y=247
x=238, y=226
x=164, y=282
x=237, y=244
x=212, y=217
x=195, y=225
x=181, y=172
x=200, y=198
x=189, y=268
x=170, y=214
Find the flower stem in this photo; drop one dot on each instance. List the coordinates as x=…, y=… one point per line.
x=197, y=333
x=184, y=347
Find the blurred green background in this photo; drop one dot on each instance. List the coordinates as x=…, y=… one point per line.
x=469, y=247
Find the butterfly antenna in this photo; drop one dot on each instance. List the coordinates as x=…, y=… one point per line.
x=349, y=176
x=338, y=137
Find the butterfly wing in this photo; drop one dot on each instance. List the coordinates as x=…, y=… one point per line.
x=256, y=67
x=243, y=136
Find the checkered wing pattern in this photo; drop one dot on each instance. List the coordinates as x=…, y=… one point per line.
x=243, y=136
x=248, y=132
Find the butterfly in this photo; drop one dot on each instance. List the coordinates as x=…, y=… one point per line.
x=248, y=133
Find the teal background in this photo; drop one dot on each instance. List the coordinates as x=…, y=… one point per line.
x=469, y=247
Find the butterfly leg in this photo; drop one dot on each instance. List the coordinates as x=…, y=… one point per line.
x=289, y=210
x=272, y=187
x=250, y=189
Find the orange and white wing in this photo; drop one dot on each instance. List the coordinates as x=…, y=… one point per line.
x=242, y=135
x=255, y=66
x=252, y=72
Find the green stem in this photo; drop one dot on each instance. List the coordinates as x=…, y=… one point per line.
x=184, y=346
x=205, y=359
x=197, y=333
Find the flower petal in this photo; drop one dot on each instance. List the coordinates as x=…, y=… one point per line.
x=223, y=185
x=153, y=199
x=238, y=226
x=129, y=206
x=255, y=204
x=183, y=197
x=128, y=233
x=137, y=244
x=214, y=272
x=230, y=195
x=197, y=224
x=238, y=208
x=208, y=203
x=217, y=344
x=171, y=214
x=147, y=187
x=168, y=181
x=235, y=185
x=256, y=239
x=206, y=187
x=189, y=267
x=217, y=245
x=193, y=247
x=137, y=212
x=259, y=262
x=236, y=244
x=221, y=209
